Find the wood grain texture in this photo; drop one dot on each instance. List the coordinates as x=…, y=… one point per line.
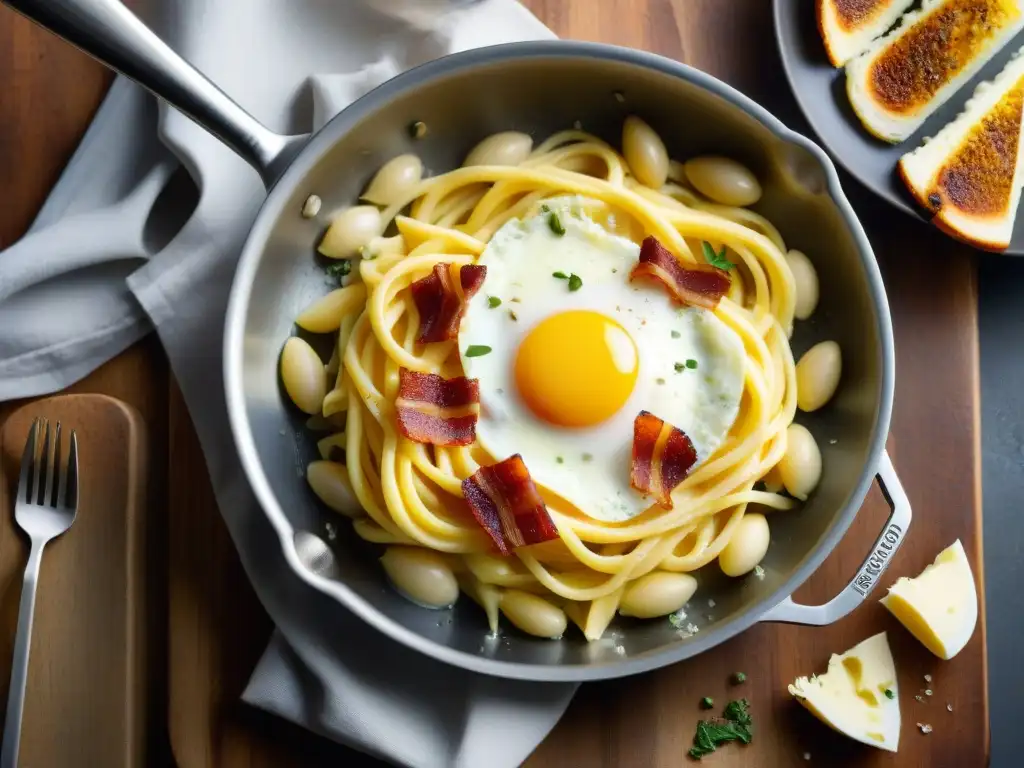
x=218, y=628
x=87, y=687
x=48, y=95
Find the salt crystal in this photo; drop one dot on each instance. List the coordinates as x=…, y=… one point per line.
x=920, y=698
x=925, y=728
x=928, y=692
x=949, y=707
x=807, y=755
x=927, y=678
x=711, y=603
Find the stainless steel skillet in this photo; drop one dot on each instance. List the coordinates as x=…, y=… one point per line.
x=539, y=88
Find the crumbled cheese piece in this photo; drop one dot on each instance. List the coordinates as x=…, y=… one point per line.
x=925, y=728
x=620, y=97
x=807, y=755
x=927, y=678
x=833, y=441
x=949, y=707
x=332, y=532
x=311, y=207
x=621, y=650
x=711, y=603
x=693, y=629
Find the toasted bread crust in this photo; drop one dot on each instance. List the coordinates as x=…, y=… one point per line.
x=914, y=67
x=966, y=237
x=833, y=59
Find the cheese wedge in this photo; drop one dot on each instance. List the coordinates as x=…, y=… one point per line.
x=939, y=607
x=858, y=695
x=847, y=27
x=969, y=176
x=908, y=74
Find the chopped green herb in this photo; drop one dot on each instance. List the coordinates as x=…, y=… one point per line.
x=559, y=460
x=587, y=456
x=555, y=224
x=560, y=275
x=493, y=301
x=418, y=129
x=544, y=208
x=477, y=350
x=659, y=380
x=739, y=677
x=716, y=259
x=707, y=702
x=735, y=726
x=691, y=364
x=614, y=270
x=680, y=367
x=676, y=334
x=512, y=315
x=340, y=270
x=889, y=694
x=575, y=282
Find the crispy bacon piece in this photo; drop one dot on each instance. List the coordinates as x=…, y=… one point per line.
x=435, y=410
x=506, y=503
x=700, y=286
x=441, y=300
x=662, y=458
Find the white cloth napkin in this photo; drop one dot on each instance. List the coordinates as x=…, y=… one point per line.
x=144, y=229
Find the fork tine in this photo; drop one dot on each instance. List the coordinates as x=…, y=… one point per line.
x=71, y=475
x=52, y=470
x=27, y=461
x=40, y=468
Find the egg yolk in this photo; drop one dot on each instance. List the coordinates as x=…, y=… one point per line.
x=576, y=368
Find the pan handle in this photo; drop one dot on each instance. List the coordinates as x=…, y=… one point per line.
x=109, y=32
x=877, y=561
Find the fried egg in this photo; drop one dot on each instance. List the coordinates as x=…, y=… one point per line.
x=567, y=352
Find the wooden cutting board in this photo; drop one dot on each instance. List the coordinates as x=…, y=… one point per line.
x=87, y=687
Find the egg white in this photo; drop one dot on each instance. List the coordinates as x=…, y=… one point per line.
x=590, y=467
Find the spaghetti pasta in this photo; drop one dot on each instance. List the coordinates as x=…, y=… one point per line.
x=412, y=494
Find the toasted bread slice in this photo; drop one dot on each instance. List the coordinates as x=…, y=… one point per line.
x=849, y=26
x=908, y=74
x=970, y=174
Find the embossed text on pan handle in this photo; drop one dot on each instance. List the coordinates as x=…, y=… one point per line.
x=867, y=576
x=109, y=32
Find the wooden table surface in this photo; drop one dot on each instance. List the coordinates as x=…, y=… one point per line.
x=217, y=629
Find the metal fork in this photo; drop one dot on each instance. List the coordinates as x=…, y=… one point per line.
x=45, y=508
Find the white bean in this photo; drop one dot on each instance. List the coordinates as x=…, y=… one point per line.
x=817, y=375
x=723, y=180
x=422, y=575
x=395, y=180
x=330, y=482
x=800, y=468
x=350, y=230
x=806, y=279
x=303, y=374
x=506, y=148
x=533, y=615
x=645, y=152
x=324, y=315
x=658, y=593
x=747, y=547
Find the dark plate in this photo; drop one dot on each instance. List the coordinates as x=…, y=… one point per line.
x=820, y=91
